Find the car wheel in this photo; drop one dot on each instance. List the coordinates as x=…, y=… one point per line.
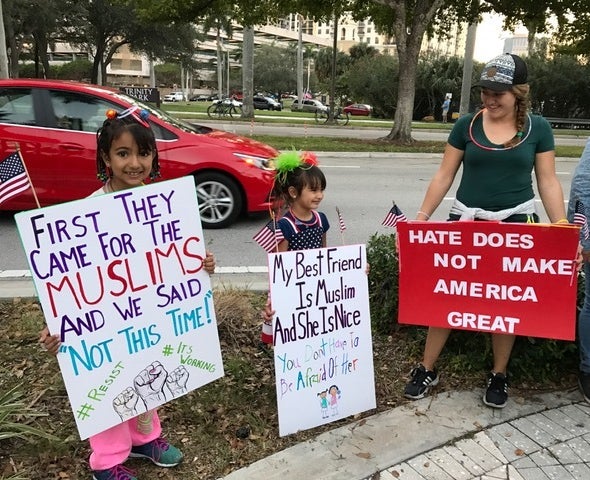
x=220, y=200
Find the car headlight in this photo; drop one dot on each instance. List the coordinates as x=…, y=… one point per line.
x=260, y=162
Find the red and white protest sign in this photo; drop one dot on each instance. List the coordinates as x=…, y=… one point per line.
x=495, y=277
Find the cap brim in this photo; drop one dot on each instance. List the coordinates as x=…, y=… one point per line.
x=496, y=86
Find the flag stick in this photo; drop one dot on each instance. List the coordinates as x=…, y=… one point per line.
x=341, y=224
x=28, y=176
x=274, y=230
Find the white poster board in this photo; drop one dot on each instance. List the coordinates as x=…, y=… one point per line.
x=120, y=278
x=323, y=349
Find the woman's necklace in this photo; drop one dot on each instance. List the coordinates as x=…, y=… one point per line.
x=484, y=147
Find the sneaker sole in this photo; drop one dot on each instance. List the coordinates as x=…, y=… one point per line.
x=425, y=392
x=582, y=391
x=493, y=405
x=164, y=465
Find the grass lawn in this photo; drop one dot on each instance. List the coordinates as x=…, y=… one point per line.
x=223, y=426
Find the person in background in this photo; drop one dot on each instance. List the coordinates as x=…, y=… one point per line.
x=445, y=108
x=498, y=147
x=127, y=155
x=579, y=199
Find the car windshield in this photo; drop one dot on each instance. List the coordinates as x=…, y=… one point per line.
x=162, y=115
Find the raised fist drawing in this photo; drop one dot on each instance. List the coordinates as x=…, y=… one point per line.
x=177, y=380
x=125, y=404
x=150, y=383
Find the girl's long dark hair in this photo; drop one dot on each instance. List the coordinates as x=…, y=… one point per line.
x=303, y=176
x=112, y=129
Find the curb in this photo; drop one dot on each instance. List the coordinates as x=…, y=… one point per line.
x=19, y=283
x=361, y=449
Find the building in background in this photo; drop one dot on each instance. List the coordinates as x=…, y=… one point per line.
x=518, y=44
x=128, y=68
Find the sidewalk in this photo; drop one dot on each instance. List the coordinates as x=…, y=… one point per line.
x=447, y=436
x=451, y=436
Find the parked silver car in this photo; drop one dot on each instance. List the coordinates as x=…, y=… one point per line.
x=308, y=105
x=174, y=97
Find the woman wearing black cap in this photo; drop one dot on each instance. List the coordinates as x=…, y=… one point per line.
x=498, y=147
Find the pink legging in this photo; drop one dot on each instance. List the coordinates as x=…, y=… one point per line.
x=113, y=446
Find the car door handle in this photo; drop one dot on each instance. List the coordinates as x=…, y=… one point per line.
x=71, y=146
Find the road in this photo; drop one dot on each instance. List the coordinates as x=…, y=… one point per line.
x=363, y=186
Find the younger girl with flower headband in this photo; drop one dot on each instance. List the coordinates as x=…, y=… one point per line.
x=126, y=156
x=300, y=185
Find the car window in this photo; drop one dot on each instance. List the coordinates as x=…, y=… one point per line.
x=16, y=106
x=75, y=111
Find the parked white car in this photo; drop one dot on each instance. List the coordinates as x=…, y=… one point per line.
x=174, y=97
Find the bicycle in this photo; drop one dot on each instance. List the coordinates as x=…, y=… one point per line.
x=340, y=117
x=222, y=108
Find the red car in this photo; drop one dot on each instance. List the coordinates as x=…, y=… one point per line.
x=55, y=124
x=360, y=109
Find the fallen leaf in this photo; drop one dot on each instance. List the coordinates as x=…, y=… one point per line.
x=365, y=455
x=519, y=452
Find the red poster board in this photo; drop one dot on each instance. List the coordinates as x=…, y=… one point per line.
x=489, y=276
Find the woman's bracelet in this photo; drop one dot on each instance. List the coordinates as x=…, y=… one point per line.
x=562, y=220
x=420, y=212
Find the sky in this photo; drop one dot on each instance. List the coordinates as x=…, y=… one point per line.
x=489, y=40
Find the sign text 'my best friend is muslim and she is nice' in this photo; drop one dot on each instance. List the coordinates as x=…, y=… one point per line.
x=322, y=335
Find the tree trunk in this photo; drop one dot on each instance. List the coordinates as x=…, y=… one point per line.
x=410, y=23
x=401, y=131
x=248, y=73
x=3, y=53
x=95, y=66
x=299, y=73
x=219, y=66
x=531, y=26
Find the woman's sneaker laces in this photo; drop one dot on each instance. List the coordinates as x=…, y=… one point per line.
x=421, y=382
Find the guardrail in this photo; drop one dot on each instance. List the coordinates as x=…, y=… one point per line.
x=571, y=123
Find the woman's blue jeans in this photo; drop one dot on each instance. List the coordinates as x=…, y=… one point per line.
x=584, y=324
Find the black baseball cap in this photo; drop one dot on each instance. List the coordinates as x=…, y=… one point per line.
x=502, y=72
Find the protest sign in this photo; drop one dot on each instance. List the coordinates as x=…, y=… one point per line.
x=322, y=336
x=120, y=278
x=512, y=278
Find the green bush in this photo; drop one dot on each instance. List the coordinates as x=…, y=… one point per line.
x=532, y=358
x=27, y=70
x=77, y=70
x=383, y=282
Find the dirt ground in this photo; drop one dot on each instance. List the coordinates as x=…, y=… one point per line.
x=217, y=430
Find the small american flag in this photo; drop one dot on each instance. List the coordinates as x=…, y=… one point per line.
x=269, y=237
x=340, y=220
x=580, y=219
x=13, y=177
x=393, y=216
